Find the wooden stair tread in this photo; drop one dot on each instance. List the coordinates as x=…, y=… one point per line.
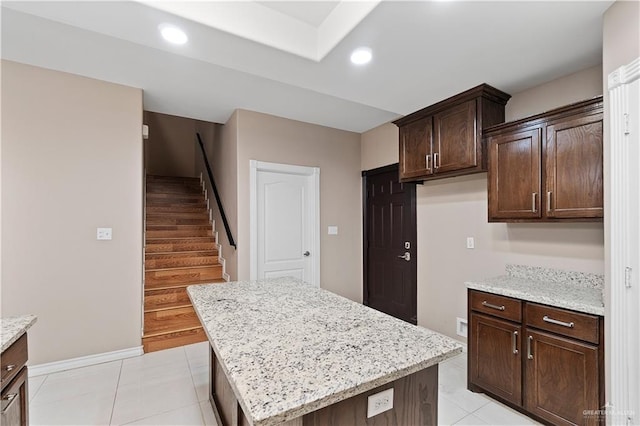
x=166, y=306
x=169, y=286
x=172, y=340
x=217, y=265
x=180, y=254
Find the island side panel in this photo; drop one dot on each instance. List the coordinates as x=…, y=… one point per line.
x=223, y=400
x=415, y=402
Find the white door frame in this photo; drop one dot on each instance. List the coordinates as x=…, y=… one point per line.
x=314, y=173
x=623, y=256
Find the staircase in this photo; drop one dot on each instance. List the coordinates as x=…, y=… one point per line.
x=180, y=251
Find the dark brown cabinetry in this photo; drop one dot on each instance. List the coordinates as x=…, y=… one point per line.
x=14, y=409
x=547, y=167
x=445, y=139
x=546, y=362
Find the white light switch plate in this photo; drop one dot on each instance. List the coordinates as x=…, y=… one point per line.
x=104, y=233
x=380, y=402
x=332, y=230
x=470, y=243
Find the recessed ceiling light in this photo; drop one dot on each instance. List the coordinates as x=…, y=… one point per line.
x=173, y=34
x=361, y=56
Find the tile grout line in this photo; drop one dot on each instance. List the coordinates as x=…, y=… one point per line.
x=195, y=389
x=46, y=376
x=115, y=395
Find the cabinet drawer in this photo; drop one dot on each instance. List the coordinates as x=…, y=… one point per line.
x=561, y=321
x=498, y=306
x=13, y=359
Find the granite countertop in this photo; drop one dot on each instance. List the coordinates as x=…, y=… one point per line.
x=289, y=349
x=12, y=328
x=577, y=291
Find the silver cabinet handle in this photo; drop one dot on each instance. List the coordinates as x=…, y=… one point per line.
x=9, y=398
x=10, y=367
x=529, y=354
x=515, y=342
x=489, y=305
x=548, y=201
x=556, y=322
x=428, y=161
x=534, y=207
x=436, y=162
x=406, y=256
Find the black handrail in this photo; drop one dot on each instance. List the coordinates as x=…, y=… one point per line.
x=215, y=192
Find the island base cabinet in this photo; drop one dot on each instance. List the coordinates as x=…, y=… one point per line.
x=415, y=402
x=561, y=379
x=14, y=411
x=495, y=357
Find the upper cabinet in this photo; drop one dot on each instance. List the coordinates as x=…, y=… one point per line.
x=547, y=167
x=445, y=139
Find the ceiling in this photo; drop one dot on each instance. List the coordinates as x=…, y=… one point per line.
x=423, y=52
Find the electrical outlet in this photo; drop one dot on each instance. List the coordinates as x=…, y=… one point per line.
x=104, y=234
x=461, y=327
x=470, y=243
x=379, y=402
x=332, y=230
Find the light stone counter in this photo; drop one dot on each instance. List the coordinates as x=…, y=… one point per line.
x=288, y=349
x=577, y=291
x=12, y=328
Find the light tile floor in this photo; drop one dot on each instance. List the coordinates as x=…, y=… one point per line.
x=170, y=388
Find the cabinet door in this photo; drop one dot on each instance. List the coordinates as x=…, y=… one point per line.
x=455, y=144
x=415, y=149
x=561, y=379
x=15, y=400
x=514, y=175
x=495, y=357
x=573, y=154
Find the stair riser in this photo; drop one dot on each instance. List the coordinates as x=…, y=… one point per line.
x=173, y=179
x=172, y=340
x=177, y=247
x=175, y=209
x=172, y=202
x=177, y=221
x=162, y=188
x=180, y=262
x=179, y=233
x=161, y=196
x=170, y=255
x=178, y=276
x=178, y=215
x=170, y=320
x=156, y=298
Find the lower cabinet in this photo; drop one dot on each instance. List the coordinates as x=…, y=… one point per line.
x=546, y=362
x=14, y=411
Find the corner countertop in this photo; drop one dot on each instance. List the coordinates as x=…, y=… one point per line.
x=577, y=291
x=289, y=349
x=12, y=328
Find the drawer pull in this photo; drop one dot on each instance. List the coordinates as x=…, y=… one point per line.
x=534, y=205
x=529, y=354
x=556, y=322
x=10, y=367
x=515, y=342
x=428, y=162
x=492, y=306
x=9, y=400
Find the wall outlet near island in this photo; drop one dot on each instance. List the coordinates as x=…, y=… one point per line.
x=104, y=234
x=461, y=327
x=379, y=402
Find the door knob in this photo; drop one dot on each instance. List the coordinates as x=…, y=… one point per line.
x=306, y=253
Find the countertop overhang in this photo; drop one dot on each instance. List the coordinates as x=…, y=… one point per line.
x=12, y=328
x=289, y=349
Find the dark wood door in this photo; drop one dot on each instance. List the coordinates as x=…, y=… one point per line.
x=495, y=357
x=455, y=142
x=389, y=234
x=573, y=157
x=561, y=379
x=415, y=149
x=514, y=175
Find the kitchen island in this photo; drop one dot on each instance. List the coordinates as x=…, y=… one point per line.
x=283, y=352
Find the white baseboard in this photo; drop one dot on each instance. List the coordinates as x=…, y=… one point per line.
x=83, y=361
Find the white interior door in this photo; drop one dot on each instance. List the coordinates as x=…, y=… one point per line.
x=285, y=222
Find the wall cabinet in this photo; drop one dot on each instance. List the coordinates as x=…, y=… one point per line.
x=548, y=167
x=445, y=139
x=546, y=362
x=14, y=395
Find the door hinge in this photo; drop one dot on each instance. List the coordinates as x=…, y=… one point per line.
x=627, y=276
x=626, y=124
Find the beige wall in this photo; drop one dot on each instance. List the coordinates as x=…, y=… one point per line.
x=450, y=210
x=337, y=153
x=620, y=45
x=171, y=149
x=222, y=150
x=71, y=162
